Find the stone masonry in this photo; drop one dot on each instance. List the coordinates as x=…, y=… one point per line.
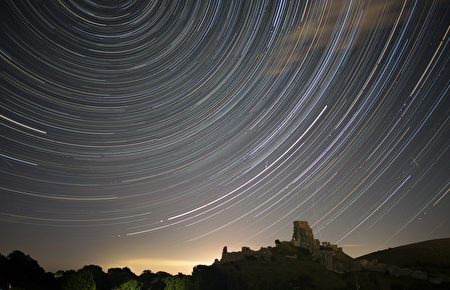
x=303, y=236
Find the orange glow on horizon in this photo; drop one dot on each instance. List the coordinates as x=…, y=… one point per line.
x=172, y=266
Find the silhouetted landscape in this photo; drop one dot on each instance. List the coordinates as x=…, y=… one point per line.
x=302, y=263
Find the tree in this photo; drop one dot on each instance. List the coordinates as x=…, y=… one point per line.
x=158, y=284
x=22, y=271
x=131, y=285
x=118, y=276
x=3, y=271
x=147, y=278
x=82, y=279
x=100, y=277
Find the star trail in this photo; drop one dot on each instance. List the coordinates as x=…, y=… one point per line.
x=165, y=130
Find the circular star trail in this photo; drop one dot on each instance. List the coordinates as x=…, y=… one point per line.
x=155, y=125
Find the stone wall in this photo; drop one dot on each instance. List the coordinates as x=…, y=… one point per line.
x=245, y=253
x=303, y=236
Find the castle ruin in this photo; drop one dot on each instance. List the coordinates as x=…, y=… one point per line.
x=303, y=236
x=325, y=254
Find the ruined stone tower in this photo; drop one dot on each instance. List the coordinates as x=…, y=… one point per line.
x=303, y=236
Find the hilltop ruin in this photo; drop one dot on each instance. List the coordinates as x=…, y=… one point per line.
x=328, y=255
x=302, y=237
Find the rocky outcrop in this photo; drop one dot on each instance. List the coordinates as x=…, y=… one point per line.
x=392, y=270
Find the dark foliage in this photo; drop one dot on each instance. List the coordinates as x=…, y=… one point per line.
x=3, y=269
x=208, y=277
x=146, y=278
x=21, y=271
x=101, y=278
x=118, y=276
x=82, y=279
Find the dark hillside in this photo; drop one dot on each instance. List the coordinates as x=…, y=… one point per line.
x=431, y=256
x=289, y=267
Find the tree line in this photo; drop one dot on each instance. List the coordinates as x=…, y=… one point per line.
x=20, y=271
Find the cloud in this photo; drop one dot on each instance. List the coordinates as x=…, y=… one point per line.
x=338, y=24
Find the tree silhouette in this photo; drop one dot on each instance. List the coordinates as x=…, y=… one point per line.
x=24, y=272
x=100, y=277
x=131, y=285
x=82, y=279
x=118, y=276
x=147, y=278
x=3, y=269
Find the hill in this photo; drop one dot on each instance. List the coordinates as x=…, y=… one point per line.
x=431, y=256
x=281, y=267
x=305, y=263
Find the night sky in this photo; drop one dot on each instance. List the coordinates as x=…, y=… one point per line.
x=150, y=134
